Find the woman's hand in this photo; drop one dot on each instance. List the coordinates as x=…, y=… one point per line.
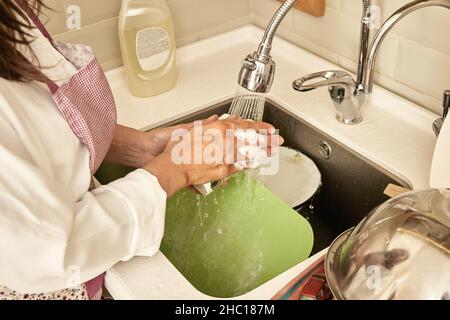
x=219, y=151
x=156, y=141
x=134, y=148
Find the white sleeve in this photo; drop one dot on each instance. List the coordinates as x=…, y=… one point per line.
x=48, y=242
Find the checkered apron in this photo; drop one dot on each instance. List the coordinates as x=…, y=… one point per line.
x=87, y=104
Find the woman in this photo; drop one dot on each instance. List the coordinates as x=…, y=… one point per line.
x=59, y=232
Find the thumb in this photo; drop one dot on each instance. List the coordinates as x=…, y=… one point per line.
x=211, y=119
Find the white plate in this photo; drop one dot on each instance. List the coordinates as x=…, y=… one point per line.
x=297, y=179
x=440, y=168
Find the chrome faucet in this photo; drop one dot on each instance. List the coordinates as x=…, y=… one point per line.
x=347, y=94
x=344, y=91
x=258, y=69
x=369, y=70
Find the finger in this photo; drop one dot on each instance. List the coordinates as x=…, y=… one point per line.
x=272, y=141
x=223, y=171
x=195, y=191
x=273, y=150
x=233, y=170
x=189, y=126
x=263, y=127
x=253, y=138
x=211, y=119
x=236, y=169
x=230, y=148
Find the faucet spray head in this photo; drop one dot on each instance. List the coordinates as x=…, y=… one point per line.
x=257, y=73
x=258, y=69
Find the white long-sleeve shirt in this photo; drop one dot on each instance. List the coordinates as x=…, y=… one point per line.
x=51, y=227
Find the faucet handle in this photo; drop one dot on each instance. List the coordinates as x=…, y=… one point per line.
x=329, y=78
x=439, y=123
x=343, y=92
x=446, y=103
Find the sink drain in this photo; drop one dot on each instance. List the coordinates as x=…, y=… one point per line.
x=325, y=149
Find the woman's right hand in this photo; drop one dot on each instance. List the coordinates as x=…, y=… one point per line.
x=208, y=153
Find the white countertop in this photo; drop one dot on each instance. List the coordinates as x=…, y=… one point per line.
x=396, y=134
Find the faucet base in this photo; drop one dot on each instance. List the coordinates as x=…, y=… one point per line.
x=348, y=121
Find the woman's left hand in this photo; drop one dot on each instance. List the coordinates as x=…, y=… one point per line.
x=157, y=140
x=134, y=148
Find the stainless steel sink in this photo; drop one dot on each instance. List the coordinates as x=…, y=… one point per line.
x=351, y=185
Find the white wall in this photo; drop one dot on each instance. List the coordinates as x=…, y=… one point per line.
x=415, y=58
x=414, y=61
x=193, y=20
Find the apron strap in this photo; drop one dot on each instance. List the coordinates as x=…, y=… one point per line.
x=37, y=22
x=40, y=76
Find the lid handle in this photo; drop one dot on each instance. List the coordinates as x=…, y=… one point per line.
x=446, y=102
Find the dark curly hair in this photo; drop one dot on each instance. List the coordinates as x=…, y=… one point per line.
x=14, y=30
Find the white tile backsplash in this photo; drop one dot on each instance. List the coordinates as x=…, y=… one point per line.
x=423, y=68
x=193, y=20
x=414, y=60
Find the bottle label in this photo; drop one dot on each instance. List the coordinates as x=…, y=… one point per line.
x=152, y=48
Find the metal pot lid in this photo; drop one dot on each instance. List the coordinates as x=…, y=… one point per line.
x=401, y=251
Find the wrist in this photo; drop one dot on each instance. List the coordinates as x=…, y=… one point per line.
x=143, y=156
x=128, y=148
x=170, y=176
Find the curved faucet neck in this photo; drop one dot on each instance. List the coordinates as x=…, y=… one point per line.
x=266, y=44
x=369, y=68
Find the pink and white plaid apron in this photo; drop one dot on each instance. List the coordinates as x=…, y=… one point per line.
x=87, y=104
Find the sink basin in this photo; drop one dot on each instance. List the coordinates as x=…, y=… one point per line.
x=235, y=239
x=351, y=187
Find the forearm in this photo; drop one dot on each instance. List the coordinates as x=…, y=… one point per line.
x=128, y=148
